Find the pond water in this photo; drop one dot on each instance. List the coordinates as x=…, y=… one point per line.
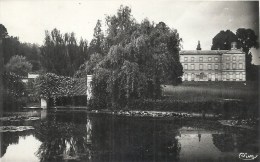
x=82, y=136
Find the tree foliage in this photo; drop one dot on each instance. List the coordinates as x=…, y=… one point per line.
x=18, y=65
x=13, y=90
x=3, y=31
x=246, y=39
x=12, y=46
x=138, y=59
x=97, y=43
x=223, y=40
x=62, y=54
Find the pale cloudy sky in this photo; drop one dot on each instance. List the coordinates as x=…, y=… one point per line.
x=194, y=20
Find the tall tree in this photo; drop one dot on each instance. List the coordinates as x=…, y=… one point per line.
x=10, y=47
x=97, y=43
x=246, y=39
x=140, y=58
x=62, y=54
x=3, y=34
x=223, y=40
x=3, y=31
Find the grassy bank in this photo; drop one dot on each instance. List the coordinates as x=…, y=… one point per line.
x=210, y=91
x=225, y=98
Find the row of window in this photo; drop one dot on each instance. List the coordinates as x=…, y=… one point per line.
x=234, y=58
x=192, y=67
x=215, y=77
x=216, y=66
x=200, y=59
x=234, y=66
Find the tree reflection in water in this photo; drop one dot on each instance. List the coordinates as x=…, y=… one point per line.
x=106, y=138
x=63, y=140
x=244, y=141
x=10, y=138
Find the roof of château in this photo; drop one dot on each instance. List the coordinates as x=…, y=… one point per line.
x=210, y=52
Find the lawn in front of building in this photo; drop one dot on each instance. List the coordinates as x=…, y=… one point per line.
x=207, y=91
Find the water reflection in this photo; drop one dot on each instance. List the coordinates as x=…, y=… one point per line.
x=23, y=150
x=63, y=140
x=79, y=136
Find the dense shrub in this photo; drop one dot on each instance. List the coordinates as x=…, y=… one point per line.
x=14, y=92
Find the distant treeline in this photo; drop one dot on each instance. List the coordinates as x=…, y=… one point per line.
x=60, y=54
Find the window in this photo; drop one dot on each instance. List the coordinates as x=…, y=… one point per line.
x=240, y=58
x=185, y=67
x=234, y=76
x=234, y=58
x=201, y=66
x=192, y=77
x=209, y=58
x=224, y=76
x=192, y=59
x=228, y=58
x=240, y=76
x=234, y=66
x=240, y=66
x=216, y=66
x=227, y=67
x=201, y=76
x=237, y=76
x=209, y=77
x=185, y=76
x=228, y=76
x=185, y=58
x=216, y=58
x=192, y=66
x=209, y=66
x=201, y=58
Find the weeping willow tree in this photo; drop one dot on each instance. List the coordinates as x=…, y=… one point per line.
x=137, y=58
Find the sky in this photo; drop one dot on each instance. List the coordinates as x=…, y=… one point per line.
x=194, y=20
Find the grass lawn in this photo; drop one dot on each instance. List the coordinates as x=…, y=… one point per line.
x=208, y=91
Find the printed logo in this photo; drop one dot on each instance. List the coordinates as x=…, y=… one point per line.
x=246, y=156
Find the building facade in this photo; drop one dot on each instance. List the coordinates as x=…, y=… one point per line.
x=213, y=65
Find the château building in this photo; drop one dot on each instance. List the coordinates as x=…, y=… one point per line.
x=213, y=65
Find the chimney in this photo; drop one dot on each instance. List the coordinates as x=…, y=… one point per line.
x=233, y=45
x=198, y=46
